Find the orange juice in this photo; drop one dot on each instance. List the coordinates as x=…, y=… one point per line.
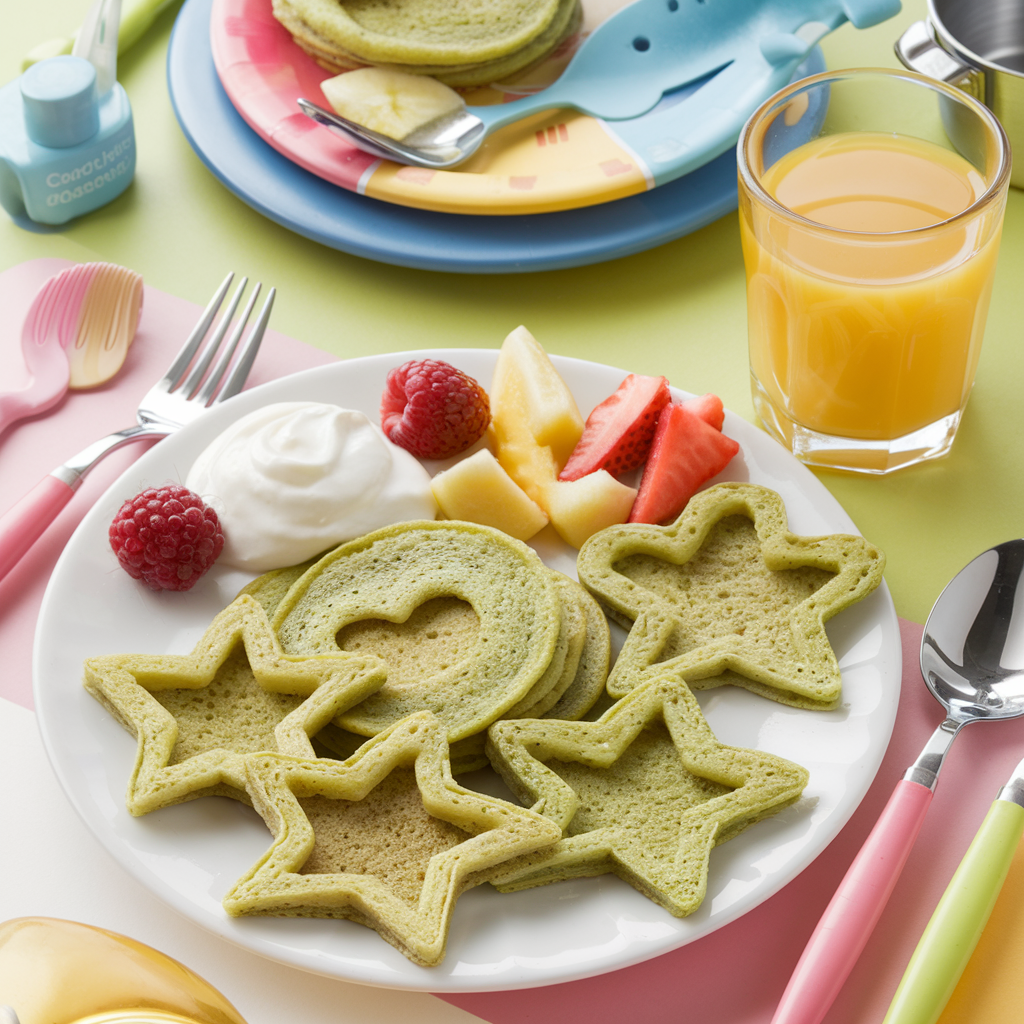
x=869, y=326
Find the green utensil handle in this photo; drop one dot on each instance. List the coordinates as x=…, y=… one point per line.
x=136, y=18
x=959, y=919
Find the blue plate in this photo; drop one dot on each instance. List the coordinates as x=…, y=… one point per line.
x=460, y=243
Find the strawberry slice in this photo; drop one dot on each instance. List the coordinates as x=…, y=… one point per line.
x=708, y=407
x=618, y=433
x=686, y=452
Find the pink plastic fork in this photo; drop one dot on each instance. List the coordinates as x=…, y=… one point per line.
x=50, y=326
x=185, y=391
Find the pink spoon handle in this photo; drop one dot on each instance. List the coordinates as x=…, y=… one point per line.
x=48, y=386
x=22, y=525
x=850, y=918
x=51, y=325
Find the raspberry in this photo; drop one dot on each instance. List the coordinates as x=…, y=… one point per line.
x=432, y=409
x=167, y=537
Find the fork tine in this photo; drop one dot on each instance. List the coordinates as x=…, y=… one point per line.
x=212, y=382
x=190, y=385
x=194, y=340
x=240, y=371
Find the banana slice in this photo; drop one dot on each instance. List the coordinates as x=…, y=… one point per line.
x=390, y=102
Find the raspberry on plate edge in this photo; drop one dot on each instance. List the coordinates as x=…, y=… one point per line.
x=167, y=537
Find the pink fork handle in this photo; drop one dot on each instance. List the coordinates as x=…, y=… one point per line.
x=22, y=525
x=850, y=918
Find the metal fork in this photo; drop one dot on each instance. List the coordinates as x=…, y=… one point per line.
x=185, y=392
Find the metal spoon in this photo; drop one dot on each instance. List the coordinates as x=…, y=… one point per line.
x=748, y=49
x=972, y=660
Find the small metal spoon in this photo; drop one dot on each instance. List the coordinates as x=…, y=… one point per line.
x=745, y=50
x=972, y=660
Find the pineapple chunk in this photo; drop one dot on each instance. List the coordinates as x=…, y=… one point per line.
x=478, y=490
x=393, y=103
x=580, y=508
x=551, y=412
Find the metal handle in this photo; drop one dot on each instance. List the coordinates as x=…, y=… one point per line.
x=919, y=50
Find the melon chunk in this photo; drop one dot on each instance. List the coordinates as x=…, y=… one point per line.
x=540, y=395
x=478, y=490
x=531, y=466
x=580, y=508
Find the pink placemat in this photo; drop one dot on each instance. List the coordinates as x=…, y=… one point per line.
x=737, y=974
x=734, y=976
x=31, y=448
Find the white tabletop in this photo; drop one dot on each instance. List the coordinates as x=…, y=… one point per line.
x=53, y=867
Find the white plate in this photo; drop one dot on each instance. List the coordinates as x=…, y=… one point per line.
x=190, y=855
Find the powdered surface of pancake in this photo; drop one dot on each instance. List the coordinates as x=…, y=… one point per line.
x=645, y=792
x=197, y=716
x=727, y=594
x=493, y=594
x=386, y=839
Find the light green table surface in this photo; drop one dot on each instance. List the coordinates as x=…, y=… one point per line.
x=678, y=310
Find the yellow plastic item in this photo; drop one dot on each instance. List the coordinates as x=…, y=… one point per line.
x=63, y=972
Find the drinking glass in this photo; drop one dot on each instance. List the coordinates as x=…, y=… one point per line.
x=871, y=203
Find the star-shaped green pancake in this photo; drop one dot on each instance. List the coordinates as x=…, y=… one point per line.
x=727, y=594
x=197, y=715
x=386, y=838
x=645, y=792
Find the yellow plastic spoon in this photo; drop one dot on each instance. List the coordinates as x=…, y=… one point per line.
x=76, y=334
x=107, y=323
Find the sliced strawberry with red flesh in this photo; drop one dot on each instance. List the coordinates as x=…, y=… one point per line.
x=618, y=433
x=685, y=453
x=708, y=407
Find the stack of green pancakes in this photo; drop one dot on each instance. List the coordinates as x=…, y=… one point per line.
x=471, y=624
x=345, y=697
x=458, y=42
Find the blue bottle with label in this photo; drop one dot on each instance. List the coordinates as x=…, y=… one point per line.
x=67, y=141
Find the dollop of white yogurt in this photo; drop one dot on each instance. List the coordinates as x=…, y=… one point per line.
x=295, y=478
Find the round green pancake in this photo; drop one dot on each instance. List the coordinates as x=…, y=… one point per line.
x=567, y=20
x=425, y=31
x=471, y=618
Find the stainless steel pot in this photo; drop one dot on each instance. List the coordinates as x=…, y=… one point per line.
x=977, y=46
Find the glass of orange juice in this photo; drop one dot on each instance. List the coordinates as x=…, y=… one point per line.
x=871, y=203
